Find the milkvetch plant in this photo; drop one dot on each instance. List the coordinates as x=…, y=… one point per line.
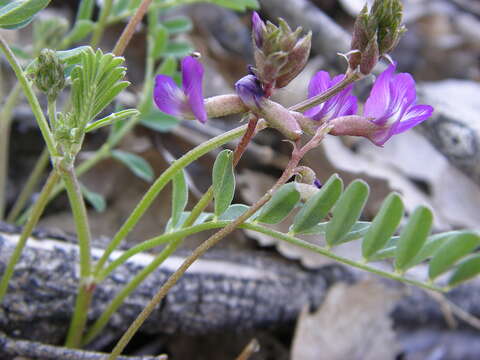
x=94, y=78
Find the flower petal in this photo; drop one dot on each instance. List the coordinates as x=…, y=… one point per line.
x=318, y=84
x=402, y=88
x=414, y=116
x=192, y=77
x=380, y=97
x=167, y=95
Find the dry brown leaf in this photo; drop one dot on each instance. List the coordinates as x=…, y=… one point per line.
x=352, y=323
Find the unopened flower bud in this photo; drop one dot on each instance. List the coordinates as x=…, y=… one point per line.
x=280, y=54
x=49, y=73
x=376, y=32
x=250, y=91
x=305, y=175
x=252, y=95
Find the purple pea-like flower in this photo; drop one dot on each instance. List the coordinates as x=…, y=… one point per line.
x=391, y=106
x=186, y=102
x=342, y=104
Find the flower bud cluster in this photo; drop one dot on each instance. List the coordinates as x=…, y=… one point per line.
x=49, y=74
x=376, y=33
x=280, y=53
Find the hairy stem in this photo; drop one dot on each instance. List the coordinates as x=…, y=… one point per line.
x=127, y=33
x=27, y=230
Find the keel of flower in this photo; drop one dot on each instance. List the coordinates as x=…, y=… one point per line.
x=186, y=102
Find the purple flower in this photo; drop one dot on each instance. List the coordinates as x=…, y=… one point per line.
x=342, y=104
x=188, y=101
x=250, y=91
x=391, y=106
x=258, y=27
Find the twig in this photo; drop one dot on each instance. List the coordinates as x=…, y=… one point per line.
x=12, y=348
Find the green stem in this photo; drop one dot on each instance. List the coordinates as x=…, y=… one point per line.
x=27, y=231
x=102, y=22
x=5, y=122
x=52, y=112
x=159, y=184
x=157, y=241
x=79, y=213
x=30, y=185
x=85, y=10
x=31, y=97
x=129, y=288
x=323, y=251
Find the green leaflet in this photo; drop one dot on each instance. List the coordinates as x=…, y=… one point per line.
x=135, y=163
x=223, y=180
x=94, y=198
x=466, y=270
x=179, y=197
x=280, y=205
x=413, y=237
x=20, y=12
x=451, y=251
x=178, y=24
x=316, y=208
x=346, y=211
x=383, y=226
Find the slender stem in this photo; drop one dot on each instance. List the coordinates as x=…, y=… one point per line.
x=30, y=185
x=31, y=97
x=27, y=230
x=159, y=184
x=5, y=122
x=79, y=213
x=52, y=112
x=102, y=22
x=328, y=94
x=199, y=207
x=85, y=10
x=130, y=287
x=127, y=33
x=323, y=251
x=157, y=241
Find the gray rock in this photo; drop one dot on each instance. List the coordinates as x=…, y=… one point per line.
x=454, y=128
